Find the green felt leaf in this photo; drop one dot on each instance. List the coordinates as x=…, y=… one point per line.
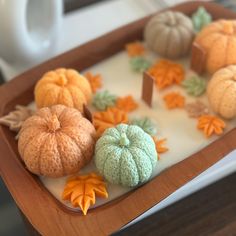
x=201, y=18
x=103, y=100
x=139, y=64
x=194, y=86
x=146, y=124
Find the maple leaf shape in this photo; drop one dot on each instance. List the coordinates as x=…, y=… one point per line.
x=196, y=109
x=15, y=119
x=211, y=124
x=139, y=64
x=166, y=73
x=103, y=100
x=159, y=145
x=95, y=81
x=174, y=100
x=145, y=124
x=109, y=118
x=135, y=49
x=82, y=190
x=195, y=85
x=126, y=104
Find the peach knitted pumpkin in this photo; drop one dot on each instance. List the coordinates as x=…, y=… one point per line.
x=63, y=86
x=218, y=40
x=56, y=141
x=221, y=92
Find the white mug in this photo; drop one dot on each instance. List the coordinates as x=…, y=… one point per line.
x=29, y=30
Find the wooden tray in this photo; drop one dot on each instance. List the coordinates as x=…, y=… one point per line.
x=47, y=214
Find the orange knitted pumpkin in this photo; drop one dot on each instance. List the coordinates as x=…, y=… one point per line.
x=218, y=40
x=56, y=141
x=62, y=86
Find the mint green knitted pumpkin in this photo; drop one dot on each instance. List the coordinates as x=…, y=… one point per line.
x=125, y=155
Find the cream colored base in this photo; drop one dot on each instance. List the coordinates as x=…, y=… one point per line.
x=183, y=138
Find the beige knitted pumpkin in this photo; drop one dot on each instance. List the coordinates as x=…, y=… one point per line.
x=221, y=92
x=56, y=141
x=170, y=34
x=218, y=40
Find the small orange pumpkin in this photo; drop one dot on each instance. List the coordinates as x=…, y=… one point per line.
x=218, y=40
x=63, y=86
x=56, y=141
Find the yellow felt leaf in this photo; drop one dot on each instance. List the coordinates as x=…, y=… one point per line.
x=94, y=80
x=166, y=73
x=109, y=118
x=211, y=125
x=174, y=100
x=82, y=190
x=159, y=145
x=126, y=104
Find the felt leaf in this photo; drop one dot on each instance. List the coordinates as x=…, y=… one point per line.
x=196, y=109
x=201, y=18
x=126, y=104
x=211, y=125
x=135, y=49
x=15, y=119
x=174, y=100
x=82, y=190
x=166, y=73
x=194, y=86
x=139, y=64
x=159, y=145
x=109, y=118
x=95, y=81
x=146, y=124
x=103, y=100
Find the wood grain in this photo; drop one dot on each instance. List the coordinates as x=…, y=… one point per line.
x=210, y=211
x=43, y=211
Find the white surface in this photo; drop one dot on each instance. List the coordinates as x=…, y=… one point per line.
x=183, y=138
x=92, y=22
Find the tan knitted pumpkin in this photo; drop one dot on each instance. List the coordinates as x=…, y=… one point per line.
x=170, y=34
x=221, y=92
x=218, y=40
x=56, y=141
x=63, y=86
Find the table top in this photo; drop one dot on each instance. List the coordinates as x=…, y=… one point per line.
x=211, y=211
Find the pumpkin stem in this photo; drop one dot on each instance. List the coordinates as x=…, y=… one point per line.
x=53, y=123
x=124, y=141
x=62, y=81
x=228, y=28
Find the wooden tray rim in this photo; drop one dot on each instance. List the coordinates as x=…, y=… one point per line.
x=113, y=215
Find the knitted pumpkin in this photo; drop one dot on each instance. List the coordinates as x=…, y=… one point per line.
x=169, y=34
x=125, y=155
x=221, y=92
x=218, y=40
x=62, y=86
x=56, y=141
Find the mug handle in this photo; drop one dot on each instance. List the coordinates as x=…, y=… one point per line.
x=29, y=30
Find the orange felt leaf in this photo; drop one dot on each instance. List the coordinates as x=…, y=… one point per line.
x=126, y=104
x=159, y=145
x=109, y=118
x=166, y=73
x=135, y=49
x=211, y=124
x=174, y=100
x=81, y=190
x=94, y=80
